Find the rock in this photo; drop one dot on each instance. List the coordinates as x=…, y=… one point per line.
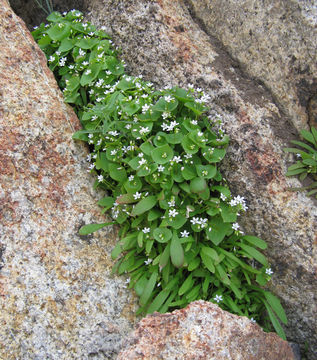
x=274, y=41
x=203, y=331
x=58, y=299
x=161, y=41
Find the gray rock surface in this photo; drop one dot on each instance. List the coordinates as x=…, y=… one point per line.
x=275, y=41
x=161, y=41
x=203, y=331
x=58, y=299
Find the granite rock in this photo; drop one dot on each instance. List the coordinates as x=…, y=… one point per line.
x=275, y=41
x=161, y=40
x=203, y=331
x=58, y=299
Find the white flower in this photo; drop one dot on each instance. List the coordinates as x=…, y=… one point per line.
x=148, y=261
x=200, y=133
x=194, y=122
x=177, y=159
x=190, y=86
x=252, y=320
x=223, y=197
x=142, y=162
x=82, y=52
x=184, y=234
x=52, y=58
x=166, y=114
x=146, y=230
x=87, y=72
x=168, y=98
x=218, y=298
x=100, y=178
x=62, y=61
x=235, y=226
x=145, y=108
x=194, y=220
x=113, y=152
x=113, y=133
x=90, y=136
x=137, y=195
x=88, y=158
x=199, y=89
x=171, y=203
x=128, y=126
x=71, y=67
x=172, y=213
x=269, y=271
x=131, y=177
x=91, y=166
x=188, y=156
x=160, y=168
x=144, y=130
x=85, y=63
x=298, y=155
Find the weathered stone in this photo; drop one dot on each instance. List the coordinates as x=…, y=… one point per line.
x=160, y=40
x=58, y=299
x=275, y=41
x=203, y=331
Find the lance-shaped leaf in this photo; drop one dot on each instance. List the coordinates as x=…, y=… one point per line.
x=254, y=253
x=276, y=306
x=148, y=289
x=144, y=205
x=177, y=252
x=88, y=229
x=253, y=240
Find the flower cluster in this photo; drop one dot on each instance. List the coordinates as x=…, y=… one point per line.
x=156, y=154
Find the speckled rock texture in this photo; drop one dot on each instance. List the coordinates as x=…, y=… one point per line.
x=203, y=331
x=161, y=41
x=58, y=299
x=275, y=41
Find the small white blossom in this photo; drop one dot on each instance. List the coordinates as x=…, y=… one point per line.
x=52, y=58
x=145, y=108
x=100, y=178
x=168, y=98
x=113, y=152
x=131, y=178
x=235, y=226
x=172, y=213
x=166, y=115
x=269, y=271
x=87, y=72
x=194, y=122
x=176, y=159
x=184, y=234
x=223, y=197
x=148, y=261
x=146, y=230
x=137, y=195
x=171, y=203
x=160, y=168
x=62, y=61
x=144, y=130
x=142, y=162
x=218, y=298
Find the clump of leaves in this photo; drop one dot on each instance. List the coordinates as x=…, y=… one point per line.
x=307, y=160
x=156, y=154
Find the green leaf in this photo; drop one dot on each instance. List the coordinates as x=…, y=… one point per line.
x=144, y=205
x=65, y=45
x=187, y=285
x=162, y=235
x=219, y=229
x=88, y=229
x=162, y=154
x=177, y=222
x=276, y=324
x=148, y=289
x=255, y=241
x=207, y=261
x=54, y=17
x=86, y=43
x=193, y=264
x=158, y=301
x=59, y=33
x=80, y=135
x=198, y=185
x=176, y=252
x=106, y=202
x=223, y=277
x=228, y=213
x=125, y=199
x=114, y=65
x=117, y=172
x=165, y=256
x=116, y=251
x=206, y=171
x=308, y=136
x=130, y=108
x=153, y=215
x=90, y=74
x=163, y=105
x=274, y=302
x=295, y=172
x=189, y=145
x=254, y=253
